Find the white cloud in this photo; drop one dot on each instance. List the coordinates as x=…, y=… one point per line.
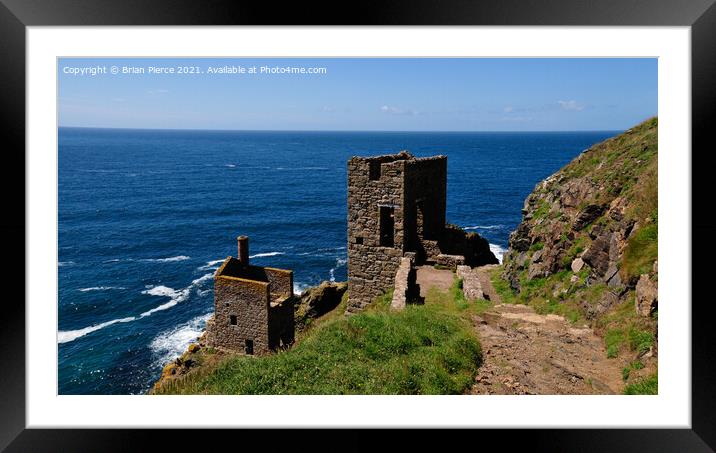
x=571, y=105
x=158, y=91
x=397, y=111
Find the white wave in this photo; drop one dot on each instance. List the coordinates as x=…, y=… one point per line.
x=230, y=165
x=340, y=262
x=211, y=265
x=167, y=260
x=260, y=255
x=322, y=251
x=498, y=251
x=171, y=343
x=160, y=291
x=483, y=227
x=65, y=263
x=299, y=288
x=71, y=335
x=100, y=288
x=202, y=279
x=176, y=297
x=162, y=307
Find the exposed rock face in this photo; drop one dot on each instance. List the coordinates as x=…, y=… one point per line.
x=647, y=296
x=319, y=300
x=584, y=223
x=587, y=216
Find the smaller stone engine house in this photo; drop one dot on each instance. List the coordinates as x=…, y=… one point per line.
x=253, y=306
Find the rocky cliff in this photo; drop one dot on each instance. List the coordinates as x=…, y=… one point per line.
x=587, y=243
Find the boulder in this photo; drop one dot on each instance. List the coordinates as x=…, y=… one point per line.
x=597, y=255
x=535, y=270
x=577, y=265
x=520, y=238
x=537, y=257
x=647, y=295
x=587, y=216
x=319, y=300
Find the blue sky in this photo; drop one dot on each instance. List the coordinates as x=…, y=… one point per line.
x=363, y=94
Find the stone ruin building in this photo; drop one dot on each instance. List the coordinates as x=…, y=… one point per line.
x=253, y=306
x=396, y=214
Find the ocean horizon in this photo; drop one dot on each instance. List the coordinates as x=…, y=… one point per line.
x=145, y=216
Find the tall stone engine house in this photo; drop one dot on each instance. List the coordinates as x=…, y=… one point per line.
x=396, y=204
x=396, y=209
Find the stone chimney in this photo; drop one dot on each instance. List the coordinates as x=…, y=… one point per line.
x=243, y=255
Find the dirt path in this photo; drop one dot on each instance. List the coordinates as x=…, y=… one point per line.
x=528, y=353
x=428, y=277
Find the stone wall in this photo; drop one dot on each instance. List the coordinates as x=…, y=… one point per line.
x=471, y=286
x=281, y=280
x=281, y=323
x=251, y=303
x=248, y=301
x=416, y=190
x=372, y=267
x=425, y=202
x=402, y=284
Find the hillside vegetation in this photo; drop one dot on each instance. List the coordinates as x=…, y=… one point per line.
x=424, y=349
x=587, y=249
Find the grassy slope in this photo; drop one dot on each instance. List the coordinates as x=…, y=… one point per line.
x=627, y=166
x=427, y=349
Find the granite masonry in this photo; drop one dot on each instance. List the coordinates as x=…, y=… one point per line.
x=253, y=306
x=396, y=209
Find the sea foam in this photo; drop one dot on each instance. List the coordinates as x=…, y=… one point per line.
x=167, y=260
x=100, y=288
x=176, y=297
x=211, y=265
x=482, y=227
x=173, y=342
x=71, y=335
x=260, y=255
x=498, y=251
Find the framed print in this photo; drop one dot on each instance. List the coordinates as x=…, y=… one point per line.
x=437, y=218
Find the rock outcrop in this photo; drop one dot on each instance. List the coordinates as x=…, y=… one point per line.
x=587, y=246
x=318, y=300
x=589, y=217
x=646, y=296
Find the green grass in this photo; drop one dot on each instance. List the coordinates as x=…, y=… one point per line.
x=541, y=210
x=580, y=244
x=640, y=252
x=640, y=340
x=423, y=349
x=536, y=246
x=635, y=365
x=624, y=330
x=645, y=386
x=502, y=286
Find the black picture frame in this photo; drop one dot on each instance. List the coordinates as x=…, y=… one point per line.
x=16, y=15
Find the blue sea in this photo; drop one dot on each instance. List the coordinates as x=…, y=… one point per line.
x=145, y=217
